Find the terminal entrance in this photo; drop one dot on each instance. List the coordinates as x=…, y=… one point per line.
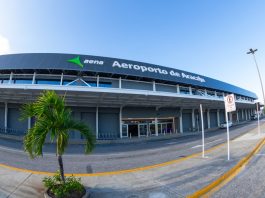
x=147, y=127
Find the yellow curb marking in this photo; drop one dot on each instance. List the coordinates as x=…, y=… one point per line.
x=228, y=176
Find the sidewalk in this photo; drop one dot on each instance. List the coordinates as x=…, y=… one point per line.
x=176, y=180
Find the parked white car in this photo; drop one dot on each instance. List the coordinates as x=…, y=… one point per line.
x=224, y=125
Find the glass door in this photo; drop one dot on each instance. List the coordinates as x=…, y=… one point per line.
x=152, y=129
x=164, y=128
x=124, y=130
x=142, y=129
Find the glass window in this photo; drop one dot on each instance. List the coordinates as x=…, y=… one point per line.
x=48, y=82
x=23, y=81
x=105, y=84
x=184, y=90
x=4, y=81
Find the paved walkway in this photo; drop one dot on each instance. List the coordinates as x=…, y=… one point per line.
x=178, y=179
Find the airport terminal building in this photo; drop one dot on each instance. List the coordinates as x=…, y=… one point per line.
x=117, y=98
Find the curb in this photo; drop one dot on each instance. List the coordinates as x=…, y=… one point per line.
x=228, y=176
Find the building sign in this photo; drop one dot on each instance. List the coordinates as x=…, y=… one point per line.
x=230, y=104
x=147, y=69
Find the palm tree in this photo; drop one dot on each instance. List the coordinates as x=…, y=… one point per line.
x=52, y=118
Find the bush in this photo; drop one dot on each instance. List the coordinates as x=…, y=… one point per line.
x=71, y=188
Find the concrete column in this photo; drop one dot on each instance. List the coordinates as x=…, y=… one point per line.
x=10, y=78
x=205, y=92
x=154, y=86
x=237, y=116
x=218, y=117
x=120, y=83
x=177, y=88
x=61, y=81
x=6, y=113
x=29, y=123
x=249, y=114
x=193, y=119
x=246, y=114
x=242, y=113
x=33, y=78
x=215, y=94
x=208, y=118
x=97, y=80
x=156, y=127
x=180, y=122
x=190, y=90
x=120, y=122
x=97, y=122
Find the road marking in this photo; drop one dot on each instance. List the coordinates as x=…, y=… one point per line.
x=261, y=154
x=206, y=143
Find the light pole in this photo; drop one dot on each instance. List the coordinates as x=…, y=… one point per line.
x=252, y=51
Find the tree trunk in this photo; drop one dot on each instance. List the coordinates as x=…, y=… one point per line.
x=60, y=160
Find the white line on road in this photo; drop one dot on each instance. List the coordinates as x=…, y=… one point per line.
x=206, y=143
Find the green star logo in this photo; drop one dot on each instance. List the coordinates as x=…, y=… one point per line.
x=76, y=61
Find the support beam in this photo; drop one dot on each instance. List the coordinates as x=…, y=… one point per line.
x=120, y=121
x=180, y=122
x=97, y=122
x=156, y=127
x=246, y=114
x=242, y=113
x=61, y=81
x=237, y=116
x=208, y=119
x=34, y=78
x=10, y=78
x=190, y=89
x=193, y=119
x=29, y=123
x=97, y=80
x=177, y=88
x=154, y=86
x=120, y=83
x=218, y=117
x=6, y=114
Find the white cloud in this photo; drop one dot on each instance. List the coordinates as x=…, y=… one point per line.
x=4, y=45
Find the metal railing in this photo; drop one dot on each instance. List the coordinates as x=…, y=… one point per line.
x=10, y=131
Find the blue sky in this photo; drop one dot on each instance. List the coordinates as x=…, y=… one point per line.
x=207, y=37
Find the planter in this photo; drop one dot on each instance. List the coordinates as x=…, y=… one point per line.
x=86, y=195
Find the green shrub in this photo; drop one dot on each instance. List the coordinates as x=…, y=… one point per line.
x=60, y=189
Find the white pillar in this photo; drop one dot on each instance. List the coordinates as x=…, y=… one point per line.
x=10, y=78
x=177, y=88
x=61, y=81
x=190, y=89
x=156, y=127
x=193, y=119
x=97, y=80
x=237, y=116
x=120, y=122
x=208, y=118
x=218, y=117
x=33, y=78
x=246, y=114
x=180, y=122
x=154, y=86
x=6, y=112
x=120, y=83
x=29, y=123
x=97, y=122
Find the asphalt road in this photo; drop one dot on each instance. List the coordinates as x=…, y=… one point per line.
x=248, y=183
x=116, y=156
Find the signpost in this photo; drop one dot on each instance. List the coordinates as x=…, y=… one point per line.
x=202, y=131
x=230, y=106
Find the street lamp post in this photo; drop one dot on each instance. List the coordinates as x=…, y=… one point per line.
x=252, y=51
